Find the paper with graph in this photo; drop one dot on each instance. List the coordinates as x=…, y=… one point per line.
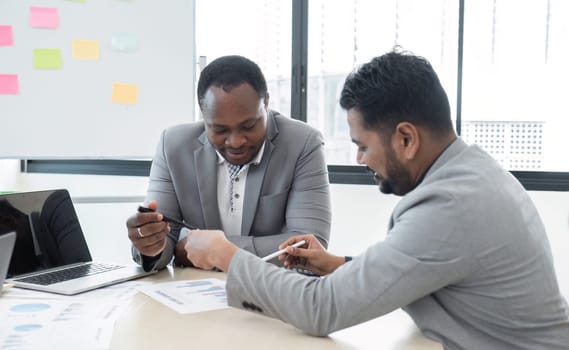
x=189, y=296
x=57, y=324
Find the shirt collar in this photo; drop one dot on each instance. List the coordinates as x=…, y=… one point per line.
x=255, y=161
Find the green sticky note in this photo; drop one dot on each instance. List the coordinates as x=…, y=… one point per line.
x=47, y=58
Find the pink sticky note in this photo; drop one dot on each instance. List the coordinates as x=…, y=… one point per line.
x=6, y=38
x=8, y=84
x=43, y=17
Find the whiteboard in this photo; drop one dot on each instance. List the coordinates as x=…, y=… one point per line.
x=69, y=113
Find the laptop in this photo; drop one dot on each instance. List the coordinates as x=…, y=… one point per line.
x=50, y=252
x=6, y=246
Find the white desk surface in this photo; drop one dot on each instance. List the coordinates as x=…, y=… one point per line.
x=148, y=324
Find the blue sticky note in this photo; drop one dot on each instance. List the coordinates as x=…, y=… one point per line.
x=124, y=42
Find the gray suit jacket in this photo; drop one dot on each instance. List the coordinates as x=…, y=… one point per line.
x=287, y=193
x=466, y=256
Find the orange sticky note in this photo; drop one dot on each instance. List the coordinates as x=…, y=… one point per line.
x=124, y=93
x=86, y=50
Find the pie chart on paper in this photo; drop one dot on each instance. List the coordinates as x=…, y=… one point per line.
x=30, y=307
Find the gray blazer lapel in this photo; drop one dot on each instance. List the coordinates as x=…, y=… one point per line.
x=255, y=177
x=205, y=162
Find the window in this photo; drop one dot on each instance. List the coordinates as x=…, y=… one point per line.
x=501, y=62
x=257, y=29
x=345, y=33
x=514, y=76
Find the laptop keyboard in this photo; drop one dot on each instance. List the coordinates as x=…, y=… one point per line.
x=67, y=274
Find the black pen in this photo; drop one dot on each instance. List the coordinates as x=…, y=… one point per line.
x=142, y=209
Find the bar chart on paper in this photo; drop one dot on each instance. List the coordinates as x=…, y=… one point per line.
x=190, y=296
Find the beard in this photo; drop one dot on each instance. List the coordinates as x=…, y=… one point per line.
x=386, y=187
x=398, y=180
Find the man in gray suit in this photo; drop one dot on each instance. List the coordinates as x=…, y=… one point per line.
x=466, y=256
x=247, y=170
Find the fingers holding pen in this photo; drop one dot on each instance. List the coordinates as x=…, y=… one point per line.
x=147, y=231
x=311, y=256
x=312, y=243
x=153, y=230
x=152, y=246
x=294, y=239
x=297, y=256
x=142, y=225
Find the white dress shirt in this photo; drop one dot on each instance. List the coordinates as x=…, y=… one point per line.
x=231, y=209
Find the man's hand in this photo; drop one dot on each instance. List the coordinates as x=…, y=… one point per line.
x=311, y=256
x=207, y=249
x=147, y=231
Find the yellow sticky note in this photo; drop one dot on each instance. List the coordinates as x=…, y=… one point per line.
x=85, y=50
x=47, y=58
x=124, y=93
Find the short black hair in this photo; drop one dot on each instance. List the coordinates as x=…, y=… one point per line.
x=228, y=72
x=395, y=87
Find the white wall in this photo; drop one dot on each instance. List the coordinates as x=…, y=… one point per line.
x=360, y=213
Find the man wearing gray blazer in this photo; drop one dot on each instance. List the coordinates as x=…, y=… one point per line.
x=249, y=171
x=466, y=255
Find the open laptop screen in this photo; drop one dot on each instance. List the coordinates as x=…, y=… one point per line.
x=48, y=233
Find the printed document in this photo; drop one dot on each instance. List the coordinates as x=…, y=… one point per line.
x=189, y=296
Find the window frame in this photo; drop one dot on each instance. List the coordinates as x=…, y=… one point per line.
x=338, y=174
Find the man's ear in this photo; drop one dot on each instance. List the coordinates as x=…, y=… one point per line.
x=406, y=140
